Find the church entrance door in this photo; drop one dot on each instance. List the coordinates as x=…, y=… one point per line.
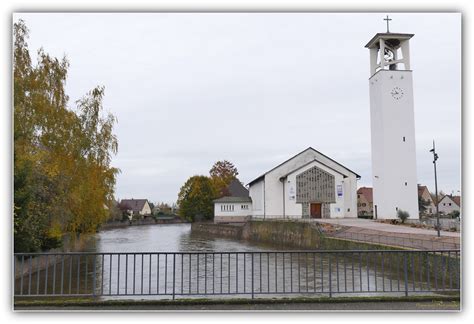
x=315, y=210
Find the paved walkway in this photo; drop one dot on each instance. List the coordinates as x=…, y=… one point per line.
x=396, y=235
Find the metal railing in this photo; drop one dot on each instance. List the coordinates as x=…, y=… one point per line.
x=400, y=240
x=236, y=273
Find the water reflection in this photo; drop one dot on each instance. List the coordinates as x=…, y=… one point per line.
x=168, y=238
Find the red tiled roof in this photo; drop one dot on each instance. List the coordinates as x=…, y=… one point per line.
x=366, y=192
x=421, y=189
x=457, y=200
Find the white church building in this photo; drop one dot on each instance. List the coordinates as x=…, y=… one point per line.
x=312, y=185
x=308, y=185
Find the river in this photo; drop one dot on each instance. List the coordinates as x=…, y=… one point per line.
x=167, y=238
x=138, y=261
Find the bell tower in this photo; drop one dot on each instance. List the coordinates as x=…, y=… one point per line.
x=392, y=126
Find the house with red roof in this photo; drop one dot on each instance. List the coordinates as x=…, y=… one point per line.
x=424, y=193
x=449, y=204
x=365, y=201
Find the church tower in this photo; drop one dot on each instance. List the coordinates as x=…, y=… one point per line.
x=392, y=126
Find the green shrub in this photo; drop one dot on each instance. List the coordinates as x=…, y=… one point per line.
x=403, y=215
x=455, y=214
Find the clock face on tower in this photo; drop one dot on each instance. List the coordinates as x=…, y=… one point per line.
x=397, y=93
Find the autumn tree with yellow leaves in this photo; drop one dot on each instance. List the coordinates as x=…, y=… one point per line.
x=63, y=178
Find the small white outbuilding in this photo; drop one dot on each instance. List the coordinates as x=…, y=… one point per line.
x=234, y=208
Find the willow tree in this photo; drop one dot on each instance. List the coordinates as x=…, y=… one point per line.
x=63, y=176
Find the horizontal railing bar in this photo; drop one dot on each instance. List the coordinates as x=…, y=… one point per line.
x=401, y=291
x=239, y=252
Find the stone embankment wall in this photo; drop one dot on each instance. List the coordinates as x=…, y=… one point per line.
x=291, y=234
x=220, y=230
x=284, y=234
x=139, y=222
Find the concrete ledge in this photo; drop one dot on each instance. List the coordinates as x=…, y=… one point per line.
x=94, y=303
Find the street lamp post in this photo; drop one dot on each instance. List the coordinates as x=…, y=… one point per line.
x=435, y=157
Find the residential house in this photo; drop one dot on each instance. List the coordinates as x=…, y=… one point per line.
x=365, y=201
x=424, y=194
x=449, y=204
x=138, y=207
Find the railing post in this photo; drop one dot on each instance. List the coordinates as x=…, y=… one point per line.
x=174, y=274
x=94, y=279
x=405, y=268
x=251, y=269
x=330, y=275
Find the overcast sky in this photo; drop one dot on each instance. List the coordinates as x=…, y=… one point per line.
x=255, y=89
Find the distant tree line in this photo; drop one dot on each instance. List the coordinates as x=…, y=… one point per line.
x=195, y=198
x=63, y=178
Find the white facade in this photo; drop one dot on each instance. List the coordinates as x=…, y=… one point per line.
x=274, y=194
x=447, y=205
x=232, y=209
x=146, y=210
x=392, y=127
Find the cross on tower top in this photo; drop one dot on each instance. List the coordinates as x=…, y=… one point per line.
x=388, y=21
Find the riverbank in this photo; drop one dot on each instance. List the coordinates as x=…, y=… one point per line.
x=284, y=235
x=142, y=222
x=332, y=234
x=431, y=303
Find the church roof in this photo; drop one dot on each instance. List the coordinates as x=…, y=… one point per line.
x=309, y=148
x=385, y=36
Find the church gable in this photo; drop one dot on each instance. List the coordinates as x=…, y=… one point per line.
x=301, y=159
x=315, y=185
